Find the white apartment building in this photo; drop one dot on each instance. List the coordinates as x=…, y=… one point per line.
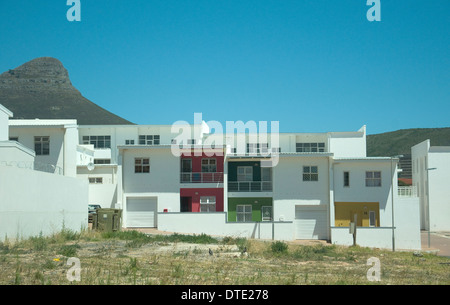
x=39, y=191
x=285, y=186
x=430, y=172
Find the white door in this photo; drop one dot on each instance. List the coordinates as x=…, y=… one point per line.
x=141, y=212
x=311, y=222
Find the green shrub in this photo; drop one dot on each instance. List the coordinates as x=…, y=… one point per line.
x=279, y=247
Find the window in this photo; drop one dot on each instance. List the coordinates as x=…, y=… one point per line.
x=244, y=173
x=257, y=148
x=191, y=141
x=310, y=147
x=347, y=179
x=102, y=161
x=209, y=165
x=243, y=213
x=149, y=140
x=186, y=169
x=310, y=173
x=207, y=204
x=372, y=219
x=96, y=180
x=42, y=146
x=129, y=142
x=142, y=165
x=373, y=178
x=98, y=141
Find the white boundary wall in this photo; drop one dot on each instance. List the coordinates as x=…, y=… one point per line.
x=216, y=224
x=407, y=230
x=33, y=202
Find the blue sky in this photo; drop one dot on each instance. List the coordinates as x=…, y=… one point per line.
x=314, y=66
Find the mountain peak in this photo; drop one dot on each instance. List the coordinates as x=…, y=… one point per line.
x=41, y=88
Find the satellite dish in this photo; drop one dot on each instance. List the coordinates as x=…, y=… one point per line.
x=90, y=166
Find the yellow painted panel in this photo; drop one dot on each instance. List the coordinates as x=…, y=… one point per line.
x=344, y=213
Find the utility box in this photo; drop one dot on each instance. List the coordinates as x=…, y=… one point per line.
x=107, y=220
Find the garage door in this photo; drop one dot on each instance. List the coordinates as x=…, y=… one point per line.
x=311, y=222
x=141, y=212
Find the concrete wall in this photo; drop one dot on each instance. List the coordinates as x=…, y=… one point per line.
x=434, y=182
x=32, y=202
x=289, y=189
x=406, y=232
x=359, y=192
x=439, y=158
x=216, y=224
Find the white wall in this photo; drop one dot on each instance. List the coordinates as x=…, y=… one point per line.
x=406, y=233
x=26, y=137
x=348, y=144
x=162, y=182
x=419, y=159
x=104, y=194
x=358, y=192
x=216, y=224
x=290, y=190
x=439, y=158
x=32, y=202
x=5, y=114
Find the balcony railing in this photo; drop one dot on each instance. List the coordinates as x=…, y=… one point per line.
x=407, y=191
x=250, y=186
x=200, y=177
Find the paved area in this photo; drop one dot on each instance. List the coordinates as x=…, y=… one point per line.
x=439, y=242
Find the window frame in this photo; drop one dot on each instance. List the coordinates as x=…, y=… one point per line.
x=245, y=214
x=346, y=178
x=149, y=139
x=210, y=167
x=42, y=146
x=310, y=147
x=95, y=140
x=371, y=180
x=95, y=180
x=245, y=174
x=309, y=175
x=209, y=205
x=142, y=165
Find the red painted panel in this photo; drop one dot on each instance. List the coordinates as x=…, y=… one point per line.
x=197, y=162
x=196, y=193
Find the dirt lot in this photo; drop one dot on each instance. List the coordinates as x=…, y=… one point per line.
x=134, y=259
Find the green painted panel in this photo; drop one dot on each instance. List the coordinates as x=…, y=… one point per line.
x=256, y=207
x=232, y=169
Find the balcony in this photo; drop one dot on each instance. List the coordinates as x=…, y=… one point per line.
x=250, y=186
x=201, y=177
x=407, y=191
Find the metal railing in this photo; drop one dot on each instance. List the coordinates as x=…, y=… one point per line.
x=249, y=186
x=407, y=191
x=33, y=165
x=201, y=177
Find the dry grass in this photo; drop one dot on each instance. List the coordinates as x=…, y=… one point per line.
x=137, y=259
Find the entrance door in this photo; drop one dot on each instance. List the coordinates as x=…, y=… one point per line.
x=185, y=204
